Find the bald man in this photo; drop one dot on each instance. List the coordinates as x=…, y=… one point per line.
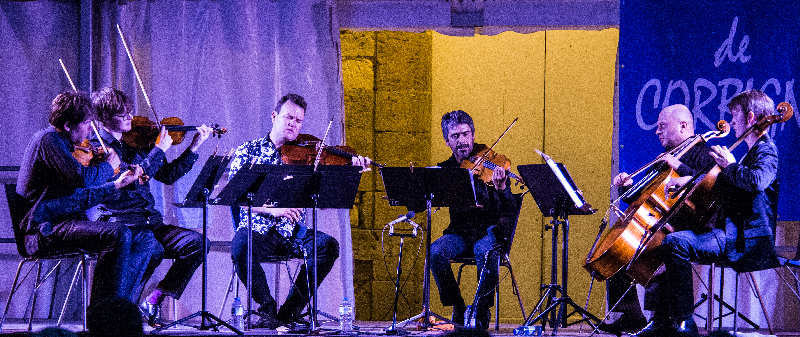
x=675, y=125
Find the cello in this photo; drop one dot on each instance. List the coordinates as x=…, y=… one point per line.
x=636, y=225
x=701, y=199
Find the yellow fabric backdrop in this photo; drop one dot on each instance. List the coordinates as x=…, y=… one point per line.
x=561, y=86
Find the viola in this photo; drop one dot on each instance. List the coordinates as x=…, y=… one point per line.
x=303, y=151
x=87, y=154
x=484, y=161
x=642, y=226
x=144, y=132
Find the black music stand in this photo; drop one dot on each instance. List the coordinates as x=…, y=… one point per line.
x=198, y=197
x=293, y=186
x=239, y=192
x=425, y=188
x=557, y=196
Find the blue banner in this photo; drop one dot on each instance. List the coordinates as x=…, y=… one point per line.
x=702, y=54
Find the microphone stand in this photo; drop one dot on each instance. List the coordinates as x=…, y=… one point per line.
x=393, y=329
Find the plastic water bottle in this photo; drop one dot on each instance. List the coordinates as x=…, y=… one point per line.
x=528, y=330
x=469, y=317
x=346, y=316
x=237, y=314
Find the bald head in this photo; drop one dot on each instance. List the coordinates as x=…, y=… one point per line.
x=675, y=124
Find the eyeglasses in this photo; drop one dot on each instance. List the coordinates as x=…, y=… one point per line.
x=124, y=115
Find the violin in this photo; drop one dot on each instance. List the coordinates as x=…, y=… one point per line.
x=485, y=161
x=303, y=151
x=144, y=132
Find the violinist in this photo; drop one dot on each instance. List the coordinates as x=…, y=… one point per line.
x=134, y=205
x=276, y=231
x=469, y=230
x=674, y=126
x=60, y=190
x=745, y=228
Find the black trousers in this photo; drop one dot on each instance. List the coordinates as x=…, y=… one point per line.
x=116, y=246
x=183, y=245
x=273, y=244
x=615, y=288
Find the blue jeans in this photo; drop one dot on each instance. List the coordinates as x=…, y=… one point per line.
x=671, y=293
x=450, y=246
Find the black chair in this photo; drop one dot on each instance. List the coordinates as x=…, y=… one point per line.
x=276, y=260
x=504, y=262
x=18, y=207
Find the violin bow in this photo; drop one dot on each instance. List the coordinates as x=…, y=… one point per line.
x=138, y=77
x=483, y=158
x=322, y=145
x=74, y=88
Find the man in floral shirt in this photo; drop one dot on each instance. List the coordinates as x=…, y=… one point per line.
x=275, y=230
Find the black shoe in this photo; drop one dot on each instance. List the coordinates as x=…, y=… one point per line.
x=152, y=312
x=627, y=322
x=266, y=320
x=657, y=327
x=686, y=327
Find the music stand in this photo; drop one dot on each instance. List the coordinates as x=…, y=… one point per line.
x=425, y=188
x=557, y=196
x=198, y=197
x=239, y=192
x=293, y=186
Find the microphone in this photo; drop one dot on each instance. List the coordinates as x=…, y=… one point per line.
x=409, y=215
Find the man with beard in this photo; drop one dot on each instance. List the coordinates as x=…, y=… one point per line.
x=469, y=230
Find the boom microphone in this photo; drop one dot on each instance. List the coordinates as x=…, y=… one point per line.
x=409, y=215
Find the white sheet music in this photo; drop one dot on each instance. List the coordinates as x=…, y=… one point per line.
x=570, y=191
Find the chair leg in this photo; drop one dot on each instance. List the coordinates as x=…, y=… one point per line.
x=516, y=288
x=227, y=293
x=11, y=293
x=78, y=269
x=789, y=285
x=32, y=300
x=710, y=300
x=736, y=306
x=53, y=293
x=497, y=307
x=755, y=288
x=85, y=280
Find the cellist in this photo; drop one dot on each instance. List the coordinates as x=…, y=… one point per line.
x=674, y=126
x=744, y=233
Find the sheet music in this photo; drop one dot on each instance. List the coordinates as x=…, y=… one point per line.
x=570, y=191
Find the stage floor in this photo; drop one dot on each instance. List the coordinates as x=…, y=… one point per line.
x=19, y=328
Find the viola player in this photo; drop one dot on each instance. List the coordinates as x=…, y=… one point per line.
x=135, y=205
x=277, y=231
x=60, y=191
x=744, y=233
x=469, y=232
x=674, y=126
